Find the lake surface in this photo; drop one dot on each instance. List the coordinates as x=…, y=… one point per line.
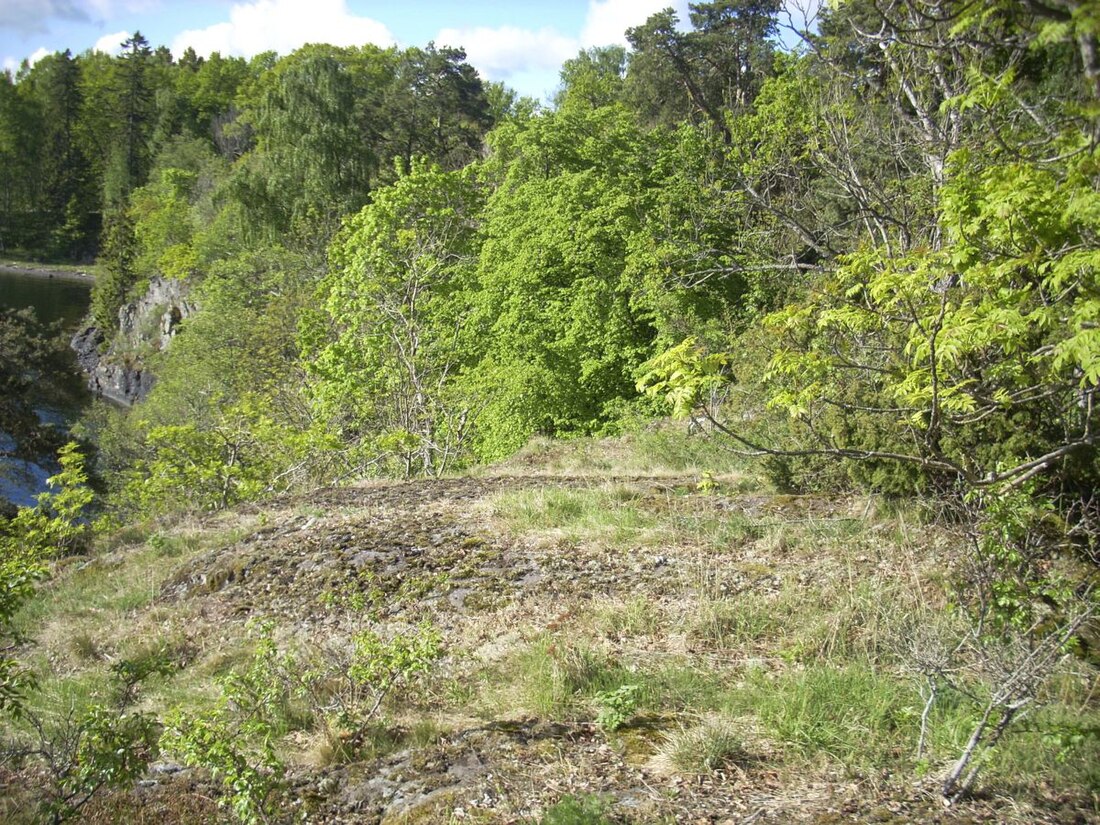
x=57, y=299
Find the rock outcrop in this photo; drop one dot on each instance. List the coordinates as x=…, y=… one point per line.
x=145, y=326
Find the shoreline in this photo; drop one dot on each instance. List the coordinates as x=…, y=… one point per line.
x=46, y=272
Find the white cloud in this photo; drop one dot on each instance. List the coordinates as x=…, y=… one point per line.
x=12, y=64
x=607, y=20
x=502, y=52
x=283, y=26
x=111, y=43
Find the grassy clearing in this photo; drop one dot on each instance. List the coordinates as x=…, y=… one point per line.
x=101, y=635
x=18, y=260
x=664, y=449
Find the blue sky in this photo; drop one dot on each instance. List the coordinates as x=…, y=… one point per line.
x=521, y=42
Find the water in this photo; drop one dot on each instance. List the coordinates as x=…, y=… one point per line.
x=63, y=397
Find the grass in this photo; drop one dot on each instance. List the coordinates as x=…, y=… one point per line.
x=552, y=679
x=18, y=258
x=635, y=617
x=102, y=635
x=661, y=449
x=704, y=747
x=613, y=515
x=97, y=594
x=744, y=623
x=577, y=810
x=852, y=714
x=799, y=627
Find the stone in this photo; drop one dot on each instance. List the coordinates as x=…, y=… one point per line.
x=145, y=326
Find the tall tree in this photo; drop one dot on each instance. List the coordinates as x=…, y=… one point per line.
x=716, y=67
x=558, y=319
x=311, y=166
x=437, y=107
x=396, y=304
x=134, y=97
x=70, y=197
x=594, y=78
x=20, y=164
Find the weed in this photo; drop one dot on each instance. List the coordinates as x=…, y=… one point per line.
x=84, y=647
x=577, y=810
x=616, y=707
x=553, y=677
x=637, y=617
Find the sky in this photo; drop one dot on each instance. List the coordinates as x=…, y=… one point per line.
x=519, y=42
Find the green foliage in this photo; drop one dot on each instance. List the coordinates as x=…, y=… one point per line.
x=563, y=324
x=720, y=61
x=239, y=456
x=236, y=740
x=227, y=420
x=18, y=576
x=310, y=168
x=386, y=353
x=593, y=78
x=616, y=707
x=577, y=810
x=1015, y=581
x=163, y=229
x=282, y=690
x=54, y=526
x=252, y=775
x=685, y=376
x=111, y=751
x=116, y=276
x=33, y=535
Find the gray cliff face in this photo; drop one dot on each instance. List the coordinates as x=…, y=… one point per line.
x=145, y=326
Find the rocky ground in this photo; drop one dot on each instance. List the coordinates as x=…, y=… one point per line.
x=448, y=551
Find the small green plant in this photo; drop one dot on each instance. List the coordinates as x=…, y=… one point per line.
x=556, y=676
x=348, y=698
x=131, y=672
x=617, y=707
x=339, y=689
x=239, y=753
x=112, y=751
x=577, y=810
x=235, y=740
x=82, y=752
